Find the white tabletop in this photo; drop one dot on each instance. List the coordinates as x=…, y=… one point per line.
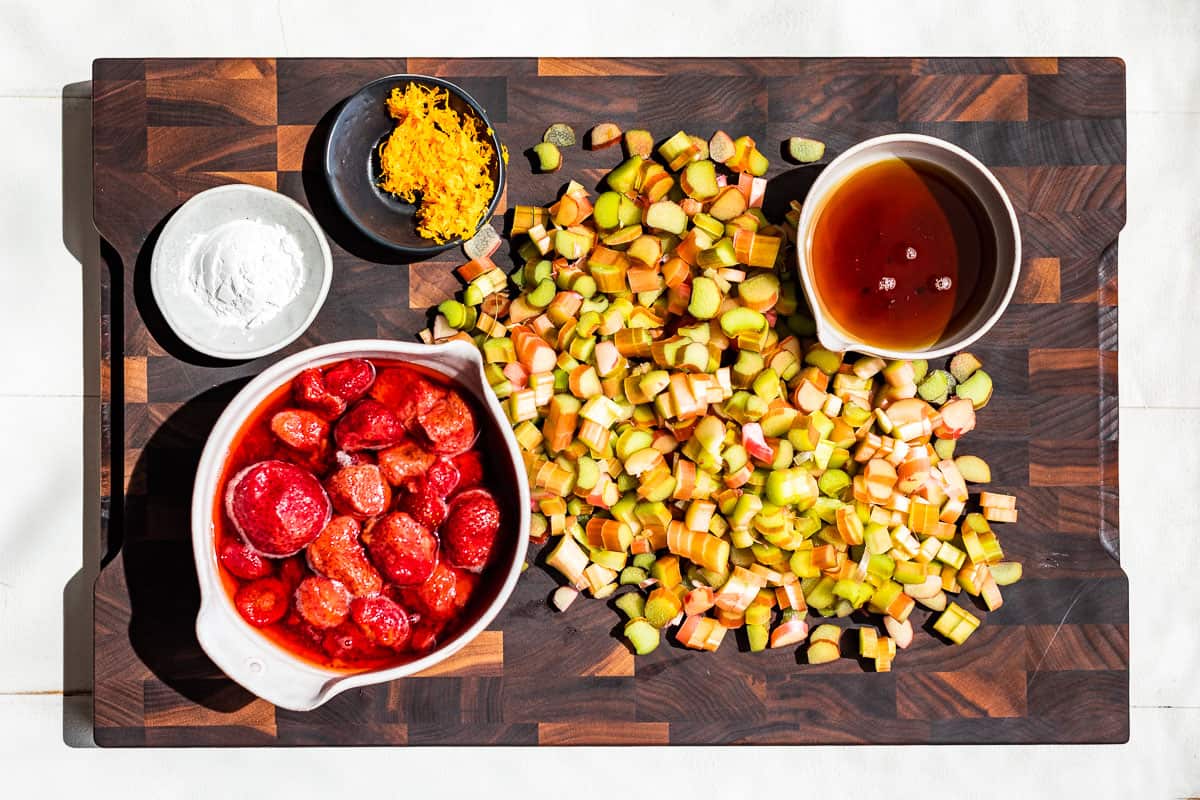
x=48, y=405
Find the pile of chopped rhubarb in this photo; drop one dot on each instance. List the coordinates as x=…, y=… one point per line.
x=693, y=451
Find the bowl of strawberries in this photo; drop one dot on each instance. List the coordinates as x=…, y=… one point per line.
x=360, y=513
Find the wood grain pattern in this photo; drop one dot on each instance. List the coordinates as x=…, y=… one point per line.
x=1051, y=665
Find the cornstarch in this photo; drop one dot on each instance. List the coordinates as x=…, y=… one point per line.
x=245, y=271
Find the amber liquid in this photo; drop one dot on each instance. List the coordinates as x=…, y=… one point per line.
x=902, y=254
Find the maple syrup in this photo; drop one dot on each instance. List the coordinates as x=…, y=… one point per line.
x=902, y=254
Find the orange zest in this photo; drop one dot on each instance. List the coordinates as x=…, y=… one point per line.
x=439, y=160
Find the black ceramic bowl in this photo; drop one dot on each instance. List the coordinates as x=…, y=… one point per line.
x=352, y=165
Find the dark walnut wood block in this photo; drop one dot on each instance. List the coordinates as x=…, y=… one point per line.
x=1050, y=666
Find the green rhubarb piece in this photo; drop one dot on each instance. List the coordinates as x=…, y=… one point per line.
x=824, y=360
x=759, y=290
x=944, y=448
x=660, y=492
x=666, y=571
x=559, y=134
x=623, y=177
x=710, y=225
x=499, y=351
x=606, y=210
x=548, y=156
x=833, y=482
x=632, y=576
x=542, y=294
x=706, y=298
x=454, y=312
x=661, y=608
x=1006, y=573
x=758, y=614
x=666, y=216
x=950, y=555
x=639, y=142
x=721, y=254
x=570, y=245
x=737, y=321
x=920, y=369
x=821, y=595
x=632, y=440
x=642, y=635
x=855, y=415
x=632, y=604
x=644, y=560
x=628, y=212
x=881, y=566
x=537, y=271
x=936, y=387
x=909, y=572
x=757, y=164
x=757, y=636
x=610, y=559
x=473, y=295
x=974, y=469
x=877, y=538
x=977, y=389
x=956, y=623
x=805, y=151
x=963, y=366
x=885, y=595
x=699, y=180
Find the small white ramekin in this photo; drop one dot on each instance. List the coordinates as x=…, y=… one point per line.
x=977, y=178
x=243, y=652
x=198, y=328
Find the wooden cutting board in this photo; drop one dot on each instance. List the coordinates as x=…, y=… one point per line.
x=1050, y=666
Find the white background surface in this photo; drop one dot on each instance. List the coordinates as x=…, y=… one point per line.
x=47, y=45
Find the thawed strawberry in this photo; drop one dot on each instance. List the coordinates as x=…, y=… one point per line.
x=424, y=637
x=348, y=642
x=292, y=571
x=408, y=459
x=262, y=602
x=469, y=533
x=322, y=602
x=300, y=429
x=338, y=554
x=367, y=425
x=470, y=469
x=384, y=621
x=444, y=594
x=449, y=425
x=243, y=561
x=277, y=507
x=343, y=459
x=350, y=379
x=441, y=478
x=404, y=550
x=407, y=392
x=423, y=505
x=359, y=491
x=309, y=391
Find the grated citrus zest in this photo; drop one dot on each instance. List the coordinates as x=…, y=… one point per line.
x=437, y=159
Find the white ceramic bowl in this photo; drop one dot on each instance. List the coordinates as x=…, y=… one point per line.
x=977, y=178
x=196, y=325
x=243, y=652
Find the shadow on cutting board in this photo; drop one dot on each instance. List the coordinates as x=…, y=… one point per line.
x=320, y=200
x=149, y=536
x=156, y=554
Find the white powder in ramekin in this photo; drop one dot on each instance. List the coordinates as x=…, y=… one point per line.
x=245, y=271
